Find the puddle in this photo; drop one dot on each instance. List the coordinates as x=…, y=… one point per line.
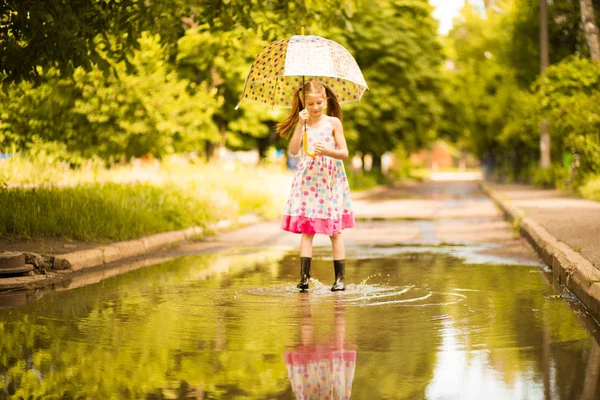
x=435, y=322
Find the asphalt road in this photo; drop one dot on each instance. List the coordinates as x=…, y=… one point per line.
x=419, y=213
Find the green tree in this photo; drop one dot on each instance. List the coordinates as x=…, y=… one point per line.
x=396, y=46
x=479, y=85
x=492, y=105
x=146, y=110
x=84, y=33
x=224, y=60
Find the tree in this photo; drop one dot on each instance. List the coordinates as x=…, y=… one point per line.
x=68, y=34
x=396, y=47
x=147, y=110
x=224, y=60
x=480, y=86
x=590, y=28
x=544, y=127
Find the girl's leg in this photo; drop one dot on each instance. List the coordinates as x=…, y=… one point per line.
x=337, y=246
x=339, y=256
x=306, y=245
x=305, y=259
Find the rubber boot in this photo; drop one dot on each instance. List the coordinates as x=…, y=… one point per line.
x=339, y=268
x=304, y=273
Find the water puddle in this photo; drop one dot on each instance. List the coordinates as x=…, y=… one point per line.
x=435, y=322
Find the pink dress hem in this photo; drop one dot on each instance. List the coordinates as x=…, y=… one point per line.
x=312, y=226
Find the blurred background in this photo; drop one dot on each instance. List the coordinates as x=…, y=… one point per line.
x=111, y=100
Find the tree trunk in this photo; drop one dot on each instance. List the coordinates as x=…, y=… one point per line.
x=377, y=162
x=590, y=28
x=263, y=146
x=209, y=150
x=544, y=61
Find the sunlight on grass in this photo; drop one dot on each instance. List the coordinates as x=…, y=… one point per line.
x=46, y=198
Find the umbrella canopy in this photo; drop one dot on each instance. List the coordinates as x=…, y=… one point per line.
x=283, y=65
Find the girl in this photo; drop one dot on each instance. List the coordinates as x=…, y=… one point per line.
x=319, y=200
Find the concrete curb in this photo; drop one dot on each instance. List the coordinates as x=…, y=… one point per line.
x=568, y=266
x=65, y=264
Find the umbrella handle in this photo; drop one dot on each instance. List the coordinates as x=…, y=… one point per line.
x=305, y=144
x=305, y=137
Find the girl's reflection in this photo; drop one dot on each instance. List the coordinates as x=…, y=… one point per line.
x=321, y=369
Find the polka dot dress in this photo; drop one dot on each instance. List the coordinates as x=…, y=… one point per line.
x=321, y=372
x=319, y=200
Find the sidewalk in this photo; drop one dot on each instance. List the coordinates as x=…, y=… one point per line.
x=564, y=230
x=60, y=263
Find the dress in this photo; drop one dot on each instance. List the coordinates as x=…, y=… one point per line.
x=321, y=372
x=319, y=200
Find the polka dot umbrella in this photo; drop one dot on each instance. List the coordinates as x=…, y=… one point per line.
x=283, y=65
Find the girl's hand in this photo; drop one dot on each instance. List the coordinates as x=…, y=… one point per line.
x=303, y=116
x=320, y=149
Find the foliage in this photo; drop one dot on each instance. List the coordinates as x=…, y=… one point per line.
x=94, y=33
x=570, y=93
x=395, y=44
x=495, y=101
x=149, y=110
x=564, y=35
x=224, y=60
x=480, y=87
x=363, y=180
x=591, y=189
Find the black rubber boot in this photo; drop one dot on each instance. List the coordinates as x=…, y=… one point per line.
x=304, y=273
x=339, y=268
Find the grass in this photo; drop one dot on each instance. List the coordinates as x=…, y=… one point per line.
x=45, y=199
x=591, y=189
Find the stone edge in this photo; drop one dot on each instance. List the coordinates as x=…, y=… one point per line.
x=568, y=266
x=100, y=256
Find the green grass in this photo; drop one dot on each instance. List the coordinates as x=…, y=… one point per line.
x=591, y=189
x=41, y=200
x=104, y=211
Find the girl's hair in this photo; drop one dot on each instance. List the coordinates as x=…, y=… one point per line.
x=286, y=127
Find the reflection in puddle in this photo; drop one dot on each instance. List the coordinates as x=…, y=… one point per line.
x=414, y=323
x=317, y=368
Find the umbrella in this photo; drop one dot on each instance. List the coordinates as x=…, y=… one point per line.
x=282, y=66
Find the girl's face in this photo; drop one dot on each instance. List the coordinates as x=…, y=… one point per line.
x=315, y=102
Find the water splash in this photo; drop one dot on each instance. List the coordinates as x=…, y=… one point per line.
x=360, y=295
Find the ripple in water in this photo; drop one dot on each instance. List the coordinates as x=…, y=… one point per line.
x=361, y=295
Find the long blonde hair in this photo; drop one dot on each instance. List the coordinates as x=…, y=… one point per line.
x=286, y=127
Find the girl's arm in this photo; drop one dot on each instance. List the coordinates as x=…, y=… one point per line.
x=296, y=140
x=341, y=153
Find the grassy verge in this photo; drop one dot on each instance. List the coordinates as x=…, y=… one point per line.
x=98, y=204
x=591, y=189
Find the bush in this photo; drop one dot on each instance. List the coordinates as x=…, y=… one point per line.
x=546, y=177
x=570, y=94
x=591, y=189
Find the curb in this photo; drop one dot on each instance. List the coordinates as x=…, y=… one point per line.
x=68, y=263
x=568, y=266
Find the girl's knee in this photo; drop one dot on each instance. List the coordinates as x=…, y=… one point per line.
x=335, y=237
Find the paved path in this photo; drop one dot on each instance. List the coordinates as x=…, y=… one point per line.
x=573, y=221
x=418, y=213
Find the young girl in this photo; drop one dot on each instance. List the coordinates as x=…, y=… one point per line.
x=319, y=200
